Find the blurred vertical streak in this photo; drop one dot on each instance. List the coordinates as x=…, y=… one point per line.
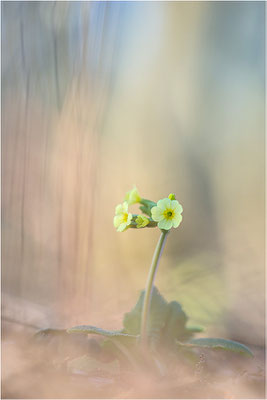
x=109, y=40
x=56, y=79
x=26, y=79
x=55, y=52
x=78, y=131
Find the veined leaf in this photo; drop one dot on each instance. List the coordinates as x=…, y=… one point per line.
x=218, y=343
x=62, y=344
x=87, y=329
x=195, y=328
x=43, y=333
x=157, y=316
x=175, y=323
x=122, y=341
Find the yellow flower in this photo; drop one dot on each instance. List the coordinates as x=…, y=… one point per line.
x=141, y=221
x=167, y=213
x=122, y=218
x=132, y=196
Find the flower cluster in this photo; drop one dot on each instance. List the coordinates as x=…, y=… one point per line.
x=165, y=214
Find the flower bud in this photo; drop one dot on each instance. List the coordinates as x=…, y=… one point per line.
x=132, y=196
x=172, y=196
x=141, y=221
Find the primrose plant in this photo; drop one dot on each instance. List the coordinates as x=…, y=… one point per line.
x=154, y=330
x=166, y=214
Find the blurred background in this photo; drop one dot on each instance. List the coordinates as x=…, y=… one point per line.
x=99, y=96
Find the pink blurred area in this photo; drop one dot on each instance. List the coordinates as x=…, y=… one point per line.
x=99, y=96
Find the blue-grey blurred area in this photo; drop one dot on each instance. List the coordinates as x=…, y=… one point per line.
x=99, y=96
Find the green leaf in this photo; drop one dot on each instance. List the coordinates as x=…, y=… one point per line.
x=195, y=328
x=175, y=323
x=123, y=342
x=61, y=344
x=217, y=343
x=88, y=329
x=158, y=314
x=46, y=333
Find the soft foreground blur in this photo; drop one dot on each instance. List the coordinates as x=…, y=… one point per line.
x=97, y=97
x=54, y=369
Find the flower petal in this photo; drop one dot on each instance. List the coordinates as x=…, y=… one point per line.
x=174, y=204
x=125, y=206
x=129, y=219
x=164, y=203
x=117, y=220
x=122, y=227
x=157, y=213
x=177, y=207
x=132, y=196
x=165, y=224
x=177, y=220
x=119, y=209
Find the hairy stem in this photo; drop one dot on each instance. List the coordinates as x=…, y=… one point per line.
x=149, y=285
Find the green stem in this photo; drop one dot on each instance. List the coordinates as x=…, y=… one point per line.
x=149, y=285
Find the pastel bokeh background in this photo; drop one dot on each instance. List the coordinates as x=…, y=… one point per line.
x=99, y=96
